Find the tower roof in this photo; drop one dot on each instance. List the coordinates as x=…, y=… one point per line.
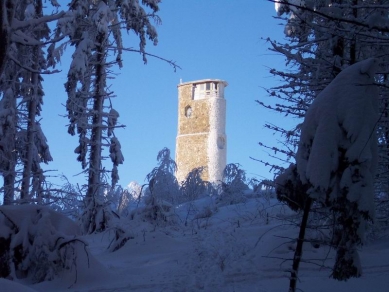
x=204, y=81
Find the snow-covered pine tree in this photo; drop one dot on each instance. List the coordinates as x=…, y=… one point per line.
x=336, y=162
x=233, y=185
x=8, y=157
x=8, y=104
x=94, y=28
x=7, y=10
x=163, y=185
x=33, y=146
x=162, y=191
x=21, y=138
x=323, y=38
x=39, y=244
x=194, y=186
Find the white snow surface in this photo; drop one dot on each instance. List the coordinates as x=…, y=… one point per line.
x=240, y=247
x=21, y=216
x=12, y=286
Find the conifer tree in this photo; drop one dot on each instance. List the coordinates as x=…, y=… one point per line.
x=95, y=29
x=33, y=148
x=22, y=141
x=324, y=38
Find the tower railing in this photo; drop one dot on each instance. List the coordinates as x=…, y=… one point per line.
x=206, y=93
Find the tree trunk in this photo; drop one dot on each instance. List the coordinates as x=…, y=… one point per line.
x=299, y=248
x=7, y=10
x=9, y=181
x=96, y=136
x=6, y=15
x=24, y=194
x=9, y=174
x=353, y=44
x=32, y=112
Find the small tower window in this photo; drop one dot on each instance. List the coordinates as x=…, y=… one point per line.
x=215, y=84
x=188, y=111
x=194, y=91
x=207, y=86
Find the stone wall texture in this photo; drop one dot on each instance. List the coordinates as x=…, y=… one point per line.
x=191, y=154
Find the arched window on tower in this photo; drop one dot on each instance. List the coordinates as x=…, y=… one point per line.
x=188, y=111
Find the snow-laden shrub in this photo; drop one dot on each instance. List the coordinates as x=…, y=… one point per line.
x=162, y=192
x=163, y=184
x=194, y=187
x=120, y=239
x=156, y=211
x=37, y=243
x=233, y=186
x=97, y=216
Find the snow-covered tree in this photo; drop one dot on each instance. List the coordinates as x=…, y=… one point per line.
x=22, y=140
x=162, y=191
x=38, y=244
x=33, y=145
x=336, y=163
x=194, y=186
x=7, y=10
x=95, y=29
x=233, y=185
x=8, y=157
x=163, y=184
x=11, y=30
x=323, y=38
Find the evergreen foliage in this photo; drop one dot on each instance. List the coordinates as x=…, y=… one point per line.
x=21, y=138
x=37, y=243
x=335, y=164
x=94, y=28
x=233, y=186
x=193, y=187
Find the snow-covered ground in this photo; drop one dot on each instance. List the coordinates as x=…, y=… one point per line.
x=242, y=247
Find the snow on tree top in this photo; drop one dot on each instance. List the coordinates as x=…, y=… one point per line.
x=341, y=119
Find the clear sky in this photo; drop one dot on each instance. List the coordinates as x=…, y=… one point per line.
x=219, y=39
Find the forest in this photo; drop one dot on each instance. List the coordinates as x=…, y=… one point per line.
x=326, y=214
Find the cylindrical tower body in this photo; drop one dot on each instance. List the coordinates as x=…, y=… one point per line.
x=201, y=138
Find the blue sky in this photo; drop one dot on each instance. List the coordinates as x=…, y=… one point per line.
x=218, y=39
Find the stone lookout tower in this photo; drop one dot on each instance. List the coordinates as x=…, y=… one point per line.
x=201, y=138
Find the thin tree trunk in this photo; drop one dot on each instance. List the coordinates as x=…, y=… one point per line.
x=353, y=44
x=299, y=248
x=9, y=174
x=96, y=136
x=7, y=9
x=32, y=106
x=24, y=194
x=9, y=181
